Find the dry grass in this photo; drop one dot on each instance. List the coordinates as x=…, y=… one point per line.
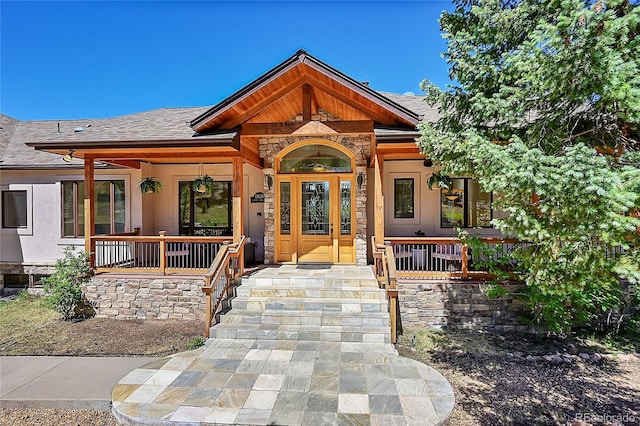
x=28, y=327
x=22, y=318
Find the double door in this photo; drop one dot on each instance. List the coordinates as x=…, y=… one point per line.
x=315, y=219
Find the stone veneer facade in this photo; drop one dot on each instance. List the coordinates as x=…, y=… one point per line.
x=359, y=145
x=146, y=298
x=458, y=305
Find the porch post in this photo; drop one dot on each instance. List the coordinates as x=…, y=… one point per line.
x=378, y=213
x=238, y=212
x=89, y=216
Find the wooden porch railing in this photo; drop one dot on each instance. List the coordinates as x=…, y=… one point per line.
x=440, y=257
x=225, y=268
x=385, y=270
x=162, y=254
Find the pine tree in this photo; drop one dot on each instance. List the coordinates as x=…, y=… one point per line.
x=544, y=112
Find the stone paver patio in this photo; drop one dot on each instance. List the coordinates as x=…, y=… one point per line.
x=292, y=368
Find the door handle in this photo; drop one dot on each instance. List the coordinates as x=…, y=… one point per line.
x=331, y=231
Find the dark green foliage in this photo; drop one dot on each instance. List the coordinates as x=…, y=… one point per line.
x=62, y=289
x=545, y=114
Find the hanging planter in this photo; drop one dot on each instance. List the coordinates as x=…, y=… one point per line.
x=203, y=184
x=451, y=195
x=438, y=180
x=150, y=185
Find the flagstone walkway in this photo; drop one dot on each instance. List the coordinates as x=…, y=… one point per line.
x=303, y=347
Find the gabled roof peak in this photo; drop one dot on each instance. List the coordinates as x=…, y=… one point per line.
x=301, y=53
x=295, y=70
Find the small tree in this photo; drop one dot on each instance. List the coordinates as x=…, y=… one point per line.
x=62, y=289
x=545, y=112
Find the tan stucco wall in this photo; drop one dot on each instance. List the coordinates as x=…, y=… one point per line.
x=427, y=203
x=161, y=209
x=41, y=241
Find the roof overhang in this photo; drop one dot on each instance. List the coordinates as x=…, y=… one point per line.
x=220, y=147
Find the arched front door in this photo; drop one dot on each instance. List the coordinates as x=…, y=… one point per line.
x=314, y=204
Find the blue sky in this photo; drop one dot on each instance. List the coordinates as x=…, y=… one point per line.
x=62, y=60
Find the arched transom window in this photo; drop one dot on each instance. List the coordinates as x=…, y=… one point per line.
x=316, y=159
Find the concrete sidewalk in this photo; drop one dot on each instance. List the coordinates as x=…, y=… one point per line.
x=62, y=382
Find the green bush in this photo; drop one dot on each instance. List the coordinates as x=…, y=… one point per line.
x=195, y=343
x=62, y=289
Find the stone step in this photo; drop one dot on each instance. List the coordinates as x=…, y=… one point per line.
x=298, y=282
x=320, y=292
x=370, y=335
x=307, y=304
x=318, y=318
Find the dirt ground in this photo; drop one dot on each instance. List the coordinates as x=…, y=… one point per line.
x=495, y=384
x=106, y=337
x=28, y=327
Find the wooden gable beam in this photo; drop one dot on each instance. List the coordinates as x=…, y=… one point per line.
x=306, y=103
x=263, y=103
x=273, y=129
x=251, y=156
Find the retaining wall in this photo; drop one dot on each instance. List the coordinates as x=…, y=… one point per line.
x=458, y=305
x=146, y=298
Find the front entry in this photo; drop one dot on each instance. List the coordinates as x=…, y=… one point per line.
x=318, y=203
x=314, y=217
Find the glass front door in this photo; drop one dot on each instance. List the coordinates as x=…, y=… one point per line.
x=316, y=243
x=315, y=215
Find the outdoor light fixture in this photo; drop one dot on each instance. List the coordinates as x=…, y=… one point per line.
x=360, y=180
x=68, y=157
x=428, y=162
x=269, y=181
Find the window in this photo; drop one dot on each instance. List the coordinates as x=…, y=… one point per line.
x=316, y=159
x=285, y=208
x=14, y=209
x=208, y=213
x=403, y=198
x=465, y=206
x=109, y=207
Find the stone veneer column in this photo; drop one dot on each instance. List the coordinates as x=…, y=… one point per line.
x=359, y=145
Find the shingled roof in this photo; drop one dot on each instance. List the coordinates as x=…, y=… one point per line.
x=165, y=124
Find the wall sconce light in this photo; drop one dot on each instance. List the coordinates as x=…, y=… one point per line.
x=360, y=180
x=428, y=162
x=68, y=157
x=269, y=181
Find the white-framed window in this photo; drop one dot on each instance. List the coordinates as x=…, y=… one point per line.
x=16, y=209
x=403, y=198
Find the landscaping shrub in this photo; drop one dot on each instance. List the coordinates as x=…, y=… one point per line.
x=62, y=289
x=195, y=343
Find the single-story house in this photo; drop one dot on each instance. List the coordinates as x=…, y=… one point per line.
x=307, y=165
